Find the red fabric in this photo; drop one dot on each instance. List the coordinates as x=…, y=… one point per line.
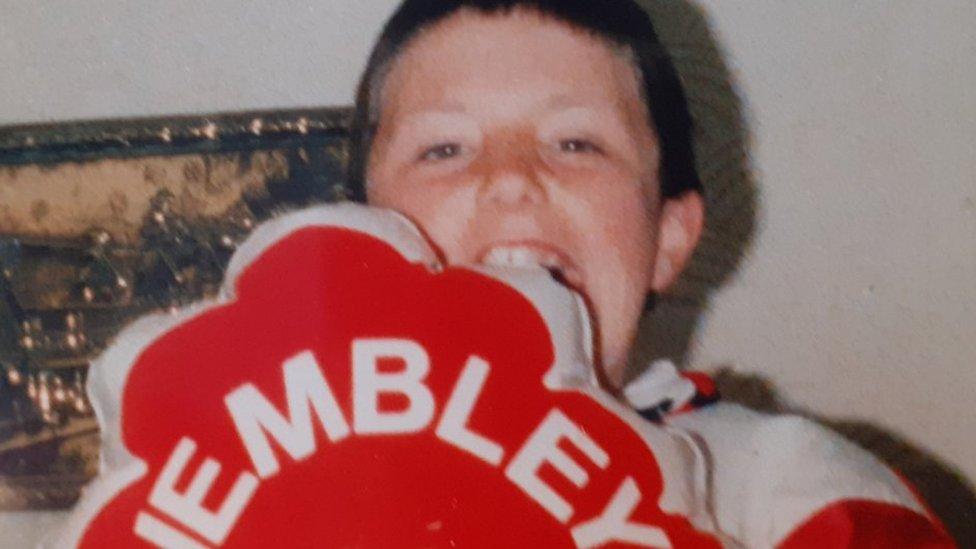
x=867, y=524
x=919, y=499
x=704, y=389
x=320, y=289
x=704, y=384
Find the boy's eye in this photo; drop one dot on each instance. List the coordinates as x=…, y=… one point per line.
x=578, y=146
x=443, y=151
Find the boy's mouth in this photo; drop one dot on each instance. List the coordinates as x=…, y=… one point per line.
x=533, y=254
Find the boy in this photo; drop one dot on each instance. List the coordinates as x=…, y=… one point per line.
x=556, y=133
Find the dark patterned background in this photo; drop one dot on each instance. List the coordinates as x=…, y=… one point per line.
x=153, y=211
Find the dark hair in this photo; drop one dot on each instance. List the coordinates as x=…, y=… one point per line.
x=621, y=22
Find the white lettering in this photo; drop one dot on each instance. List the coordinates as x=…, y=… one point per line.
x=542, y=447
x=188, y=508
x=305, y=389
x=452, y=427
x=368, y=383
x=613, y=524
x=258, y=422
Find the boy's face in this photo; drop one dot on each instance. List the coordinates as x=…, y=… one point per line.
x=515, y=139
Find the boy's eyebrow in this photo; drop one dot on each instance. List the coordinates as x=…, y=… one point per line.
x=565, y=101
x=454, y=118
x=445, y=123
x=552, y=102
x=454, y=113
x=438, y=107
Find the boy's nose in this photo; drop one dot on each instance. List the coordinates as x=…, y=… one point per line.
x=513, y=174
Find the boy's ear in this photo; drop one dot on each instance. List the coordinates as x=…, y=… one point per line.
x=680, y=225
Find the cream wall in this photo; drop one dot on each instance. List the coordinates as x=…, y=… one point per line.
x=109, y=58
x=859, y=299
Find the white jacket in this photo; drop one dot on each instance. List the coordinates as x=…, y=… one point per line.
x=781, y=480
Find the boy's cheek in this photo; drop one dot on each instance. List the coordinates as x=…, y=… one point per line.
x=444, y=220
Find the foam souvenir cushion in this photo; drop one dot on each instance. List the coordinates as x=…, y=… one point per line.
x=348, y=391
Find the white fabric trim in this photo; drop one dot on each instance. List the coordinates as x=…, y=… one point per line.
x=770, y=474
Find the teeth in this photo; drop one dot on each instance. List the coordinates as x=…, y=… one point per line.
x=522, y=257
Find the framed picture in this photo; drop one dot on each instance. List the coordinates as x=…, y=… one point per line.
x=103, y=222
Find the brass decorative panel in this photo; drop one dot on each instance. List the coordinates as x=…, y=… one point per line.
x=103, y=222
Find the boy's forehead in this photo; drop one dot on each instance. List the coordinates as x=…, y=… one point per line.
x=473, y=58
